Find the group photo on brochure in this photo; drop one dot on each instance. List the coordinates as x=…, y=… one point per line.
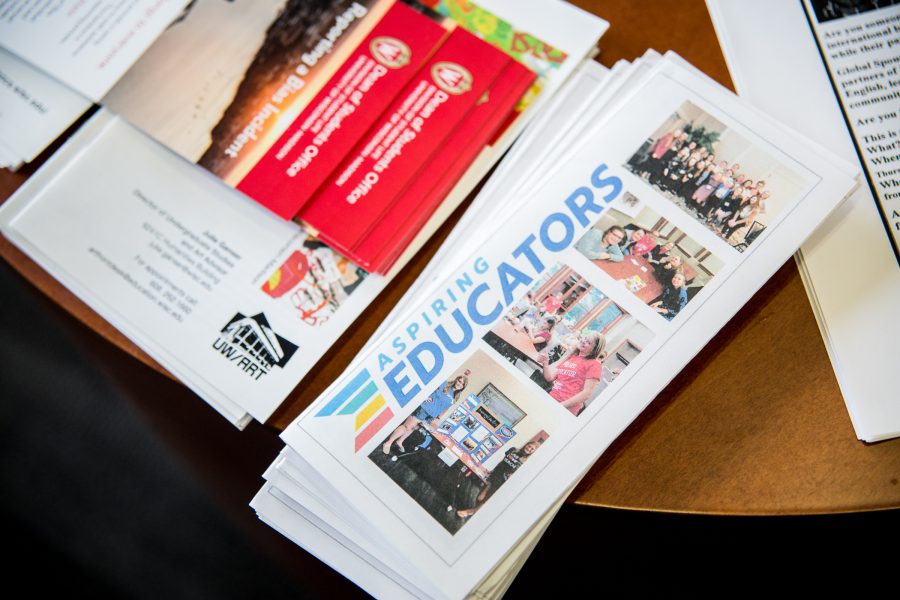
x=569, y=338
x=715, y=175
x=560, y=346
x=655, y=260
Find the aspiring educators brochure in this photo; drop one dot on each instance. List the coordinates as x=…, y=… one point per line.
x=463, y=424
x=283, y=501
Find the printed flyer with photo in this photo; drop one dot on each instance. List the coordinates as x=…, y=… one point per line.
x=463, y=424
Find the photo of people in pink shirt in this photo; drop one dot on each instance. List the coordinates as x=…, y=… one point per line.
x=576, y=351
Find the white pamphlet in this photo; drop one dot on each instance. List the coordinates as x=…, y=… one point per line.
x=526, y=407
x=849, y=266
x=85, y=45
x=34, y=109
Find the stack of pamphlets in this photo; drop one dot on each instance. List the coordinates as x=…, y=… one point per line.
x=838, y=64
x=622, y=231
x=235, y=301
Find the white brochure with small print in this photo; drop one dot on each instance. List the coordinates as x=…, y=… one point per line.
x=234, y=301
x=838, y=64
x=86, y=45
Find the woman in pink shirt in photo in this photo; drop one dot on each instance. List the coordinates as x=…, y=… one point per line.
x=577, y=372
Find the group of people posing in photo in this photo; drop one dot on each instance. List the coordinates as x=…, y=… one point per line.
x=616, y=242
x=717, y=191
x=436, y=407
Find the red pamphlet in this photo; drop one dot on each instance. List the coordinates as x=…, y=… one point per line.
x=377, y=70
x=404, y=140
x=386, y=240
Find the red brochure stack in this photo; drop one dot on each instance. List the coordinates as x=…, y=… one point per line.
x=370, y=159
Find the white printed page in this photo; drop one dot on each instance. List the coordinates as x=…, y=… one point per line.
x=527, y=362
x=34, y=108
x=849, y=266
x=860, y=44
x=87, y=45
x=234, y=301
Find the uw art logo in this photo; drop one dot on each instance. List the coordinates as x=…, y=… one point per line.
x=360, y=398
x=390, y=52
x=250, y=344
x=452, y=78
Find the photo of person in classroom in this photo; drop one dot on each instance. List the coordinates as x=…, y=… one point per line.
x=576, y=352
x=715, y=175
x=661, y=264
x=465, y=440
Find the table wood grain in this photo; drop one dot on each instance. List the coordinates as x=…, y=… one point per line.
x=754, y=425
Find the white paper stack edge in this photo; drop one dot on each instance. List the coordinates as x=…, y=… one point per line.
x=393, y=476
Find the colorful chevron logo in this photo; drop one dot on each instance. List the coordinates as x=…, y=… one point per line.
x=361, y=398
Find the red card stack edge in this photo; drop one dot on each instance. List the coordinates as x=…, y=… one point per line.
x=388, y=239
x=309, y=151
x=403, y=143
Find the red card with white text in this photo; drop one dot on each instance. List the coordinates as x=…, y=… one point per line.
x=403, y=140
x=307, y=153
x=387, y=239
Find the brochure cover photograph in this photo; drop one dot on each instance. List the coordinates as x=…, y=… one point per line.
x=315, y=280
x=464, y=441
x=569, y=338
x=715, y=175
x=652, y=258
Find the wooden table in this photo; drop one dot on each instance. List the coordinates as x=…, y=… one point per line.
x=516, y=338
x=754, y=425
